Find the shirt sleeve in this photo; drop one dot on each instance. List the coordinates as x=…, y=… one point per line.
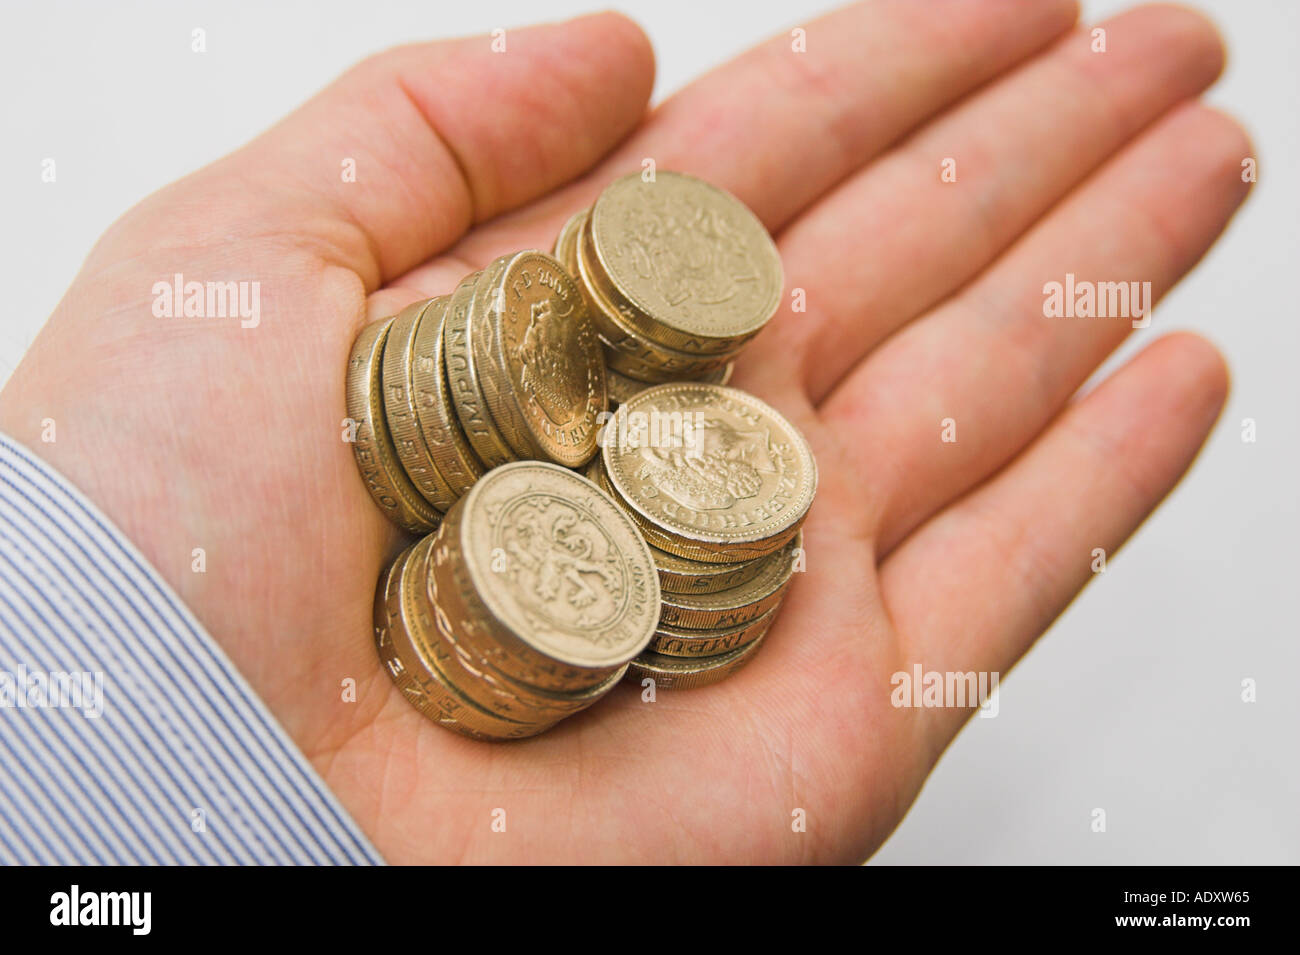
x=126, y=734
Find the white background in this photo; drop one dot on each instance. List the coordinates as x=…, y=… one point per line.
x=1132, y=701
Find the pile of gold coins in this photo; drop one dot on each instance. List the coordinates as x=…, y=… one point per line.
x=505, y=368
x=719, y=484
x=677, y=274
x=546, y=572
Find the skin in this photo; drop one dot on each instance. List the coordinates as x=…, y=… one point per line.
x=924, y=302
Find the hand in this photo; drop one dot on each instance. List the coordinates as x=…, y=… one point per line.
x=924, y=303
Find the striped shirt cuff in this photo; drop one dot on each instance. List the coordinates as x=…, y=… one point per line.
x=126, y=735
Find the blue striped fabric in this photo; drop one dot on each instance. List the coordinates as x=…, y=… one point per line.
x=173, y=759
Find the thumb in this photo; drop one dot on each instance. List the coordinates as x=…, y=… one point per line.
x=396, y=159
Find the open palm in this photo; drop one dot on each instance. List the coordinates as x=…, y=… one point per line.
x=923, y=321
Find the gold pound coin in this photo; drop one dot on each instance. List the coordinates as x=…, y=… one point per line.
x=400, y=410
x=474, y=676
x=627, y=350
x=687, y=264
x=735, y=606
x=463, y=375
x=373, y=446
x=447, y=444
x=559, y=569
x=708, y=472
x=623, y=348
x=688, y=673
x=475, y=629
x=419, y=679
x=679, y=575
x=477, y=681
x=543, y=371
x=671, y=642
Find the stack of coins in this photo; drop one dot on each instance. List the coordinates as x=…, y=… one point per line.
x=677, y=274
x=719, y=484
x=524, y=608
x=542, y=589
x=506, y=368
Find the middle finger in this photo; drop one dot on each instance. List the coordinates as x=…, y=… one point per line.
x=895, y=238
x=956, y=394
